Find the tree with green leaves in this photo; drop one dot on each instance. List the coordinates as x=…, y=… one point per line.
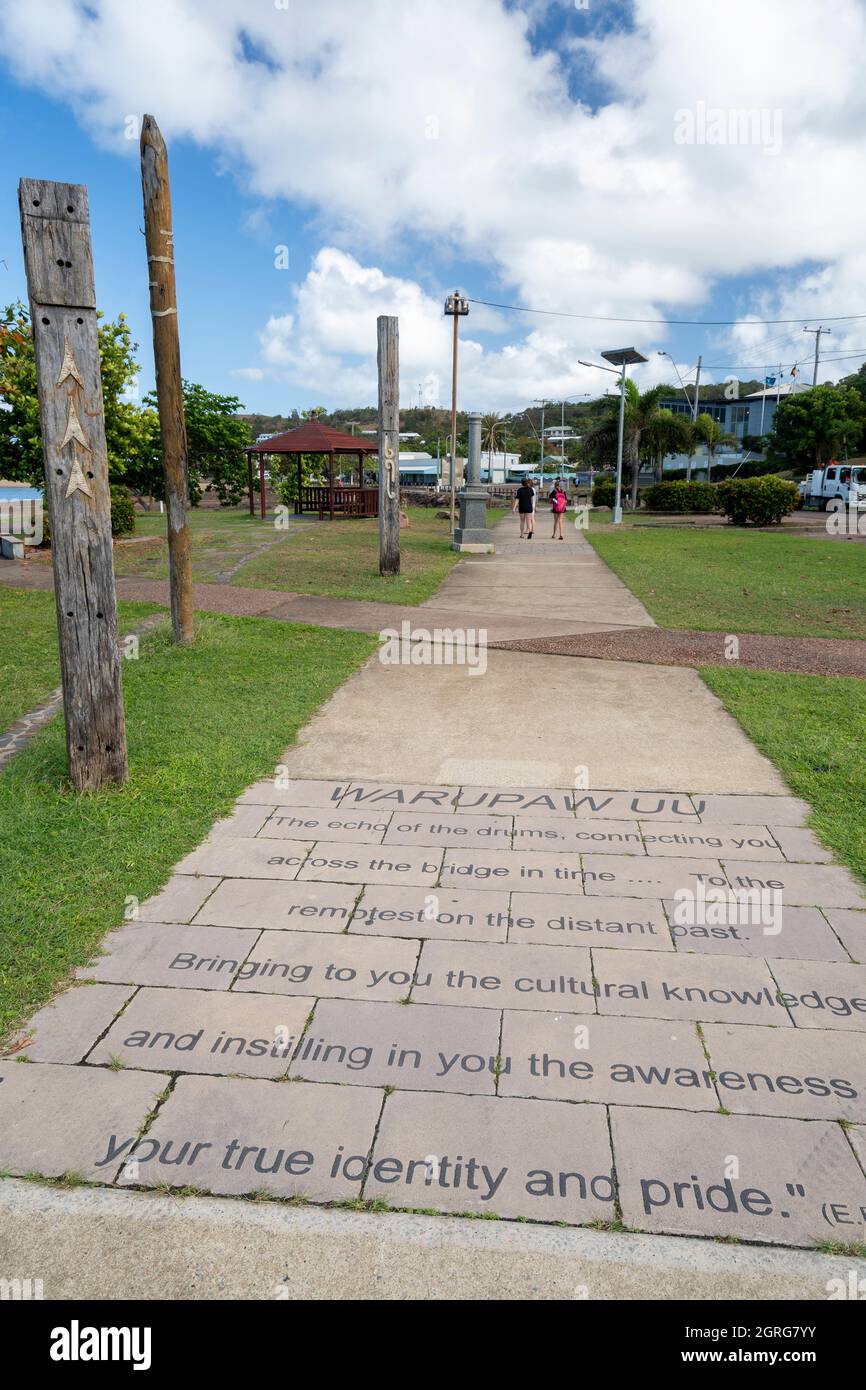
x=128, y=429
x=667, y=433
x=812, y=427
x=641, y=413
x=712, y=434
x=216, y=440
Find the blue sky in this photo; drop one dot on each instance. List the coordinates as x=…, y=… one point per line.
x=547, y=170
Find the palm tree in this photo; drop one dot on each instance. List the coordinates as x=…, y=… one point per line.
x=641, y=412
x=492, y=428
x=667, y=434
x=711, y=432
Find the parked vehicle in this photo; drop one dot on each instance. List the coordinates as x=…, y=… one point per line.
x=837, y=481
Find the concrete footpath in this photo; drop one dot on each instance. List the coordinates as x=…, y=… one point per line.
x=523, y=938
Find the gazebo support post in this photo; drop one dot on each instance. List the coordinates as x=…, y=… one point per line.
x=331, y=483
x=299, y=505
x=262, y=485
x=250, y=483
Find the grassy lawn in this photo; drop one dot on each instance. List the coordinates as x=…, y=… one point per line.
x=202, y=724
x=732, y=580
x=339, y=559
x=29, y=660
x=814, y=729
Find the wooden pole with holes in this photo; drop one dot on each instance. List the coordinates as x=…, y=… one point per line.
x=55, y=229
x=388, y=358
x=169, y=386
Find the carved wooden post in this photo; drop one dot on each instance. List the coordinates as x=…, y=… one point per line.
x=55, y=228
x=169, y=387
x=388, y=358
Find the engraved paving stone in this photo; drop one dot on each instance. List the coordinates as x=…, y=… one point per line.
x=389, y=796
x=414, y=827
x=334, y=966
x=236, y=1135
x=653, y=984
x=739, y=930
x=178, y=901
x=154, y=953
x=195, y=1030
x=627, y=876
x=850, y=927
x=66, y=1029
x=504, y=977
x=298, y=792
x=664, y=839
x=525, y=871
x=231, y=857
x=514, y=1158
x=295, y=823
x=577, y=835
x=620, y=1061
x=245, y=822
x=822, y=995
x=793, y=1182
x=277, y=905
x=354, y=863
x=807, y=1075
x=58, y=1119
x=431, y=912
x=412, y=1047
x=751, y=810
x=810, y=885
x=562, y=920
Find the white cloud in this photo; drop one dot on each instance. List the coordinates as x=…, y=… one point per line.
x=439, y=121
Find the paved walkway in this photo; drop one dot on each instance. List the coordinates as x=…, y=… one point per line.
x=372, y=984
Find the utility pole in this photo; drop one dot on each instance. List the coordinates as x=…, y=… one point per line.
x=817, y=331
x=388, y=362
x=542, y=403
x=55, y=229
x=697, y=390
x=169, y=387
x=457, y=307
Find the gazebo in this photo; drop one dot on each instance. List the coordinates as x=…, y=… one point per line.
x=314, y=438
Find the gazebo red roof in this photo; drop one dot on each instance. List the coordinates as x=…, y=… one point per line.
x=313, y=438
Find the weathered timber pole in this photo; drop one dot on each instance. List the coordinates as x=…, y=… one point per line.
x=388, y=359
x=55, y=228
x=169, y=387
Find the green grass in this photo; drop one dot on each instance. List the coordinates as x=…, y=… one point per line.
x=338, y=559
x=29, y=659
x=814, y=729
x=202, y=723
x=732, y=580
x=341, y=559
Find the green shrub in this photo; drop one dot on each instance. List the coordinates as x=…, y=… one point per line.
x=757, y=501
x=604, y=492
x=122, y=512
x=682, y=497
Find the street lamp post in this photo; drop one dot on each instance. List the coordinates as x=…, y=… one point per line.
x=457, y=307
x=621, y=358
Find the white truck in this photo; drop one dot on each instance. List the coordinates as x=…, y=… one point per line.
x=839, y=482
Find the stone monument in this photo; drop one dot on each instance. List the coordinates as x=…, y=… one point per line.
x=472, y=535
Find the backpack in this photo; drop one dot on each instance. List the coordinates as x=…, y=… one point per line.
x=558, y=501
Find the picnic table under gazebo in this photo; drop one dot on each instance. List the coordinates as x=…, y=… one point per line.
x=335, y=499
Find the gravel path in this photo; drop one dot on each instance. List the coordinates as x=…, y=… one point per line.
x=814, y=656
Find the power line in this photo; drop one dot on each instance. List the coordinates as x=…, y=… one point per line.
x=677, y=323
